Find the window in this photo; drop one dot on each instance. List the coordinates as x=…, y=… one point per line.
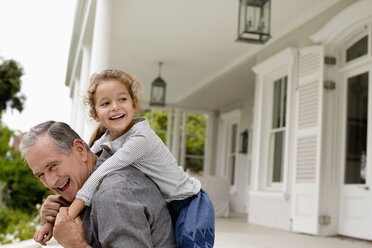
x=233, y=153
x=189, y=144
x=195, y=140
x=358, y=49
x=158, y=120
x=356, y=129
x=277, y=132
x=229, y=153
x=270, y=146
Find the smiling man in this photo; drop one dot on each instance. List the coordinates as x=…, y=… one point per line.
x=127, y=210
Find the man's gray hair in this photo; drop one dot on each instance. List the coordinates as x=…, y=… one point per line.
x=60, y=133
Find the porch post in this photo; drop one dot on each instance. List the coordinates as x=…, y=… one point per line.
x=80, y=86
x=169, y=128
x=176, y=135
x=101, y=43
x=256, y=134
x=88, y=124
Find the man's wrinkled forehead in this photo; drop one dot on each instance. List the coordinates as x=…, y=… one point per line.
x=42, y=151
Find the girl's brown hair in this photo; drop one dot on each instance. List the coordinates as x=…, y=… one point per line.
x=132, y=85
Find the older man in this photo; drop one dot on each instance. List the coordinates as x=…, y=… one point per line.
x=127, y=210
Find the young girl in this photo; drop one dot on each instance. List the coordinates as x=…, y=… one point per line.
x=114, y=103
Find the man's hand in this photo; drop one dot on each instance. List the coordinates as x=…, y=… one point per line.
x=69, y=232
x=50, y=208
x=44, y=234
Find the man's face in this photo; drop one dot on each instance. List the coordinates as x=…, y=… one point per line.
x=64, y=174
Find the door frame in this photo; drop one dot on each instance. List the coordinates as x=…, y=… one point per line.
x=228, y=120
x=356, y=69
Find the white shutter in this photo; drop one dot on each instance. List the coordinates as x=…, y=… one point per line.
x=309, y=101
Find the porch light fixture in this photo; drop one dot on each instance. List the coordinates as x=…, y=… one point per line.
x=254, y=21
x=158, y=88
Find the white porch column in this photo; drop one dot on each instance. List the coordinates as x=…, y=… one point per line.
x=169, y=128
x=176, y=134
x=101, y=44
x=256, y=134
x=87, y=124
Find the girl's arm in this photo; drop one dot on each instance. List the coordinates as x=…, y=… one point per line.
x=134, y=148
x=75, y=208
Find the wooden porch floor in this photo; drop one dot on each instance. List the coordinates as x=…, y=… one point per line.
x=235, y=232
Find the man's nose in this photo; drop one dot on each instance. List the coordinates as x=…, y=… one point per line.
x=50, y=180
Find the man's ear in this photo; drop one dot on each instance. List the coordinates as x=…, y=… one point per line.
x=79, y=147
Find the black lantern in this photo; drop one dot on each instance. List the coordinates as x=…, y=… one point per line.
x=158, y=88
x=254, y=21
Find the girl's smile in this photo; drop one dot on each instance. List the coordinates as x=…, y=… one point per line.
x=114, y=107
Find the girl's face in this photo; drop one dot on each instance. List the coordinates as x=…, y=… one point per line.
x=114, y=107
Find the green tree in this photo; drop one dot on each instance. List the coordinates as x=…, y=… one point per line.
x=21, y=190
x=195, y=135
x=195, y=129
x=10, y=86
x=158, y=120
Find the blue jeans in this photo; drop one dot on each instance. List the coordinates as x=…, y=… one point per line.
x=193, y=221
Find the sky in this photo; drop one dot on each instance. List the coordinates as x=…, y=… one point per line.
x=37, y=34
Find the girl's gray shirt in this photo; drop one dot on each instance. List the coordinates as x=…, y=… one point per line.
x=142, y=148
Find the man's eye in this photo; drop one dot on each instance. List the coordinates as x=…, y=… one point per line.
x=51, y=167
x=39, y=176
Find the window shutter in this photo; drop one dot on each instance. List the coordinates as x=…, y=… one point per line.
x=309, y=103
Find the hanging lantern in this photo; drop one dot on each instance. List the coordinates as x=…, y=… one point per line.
x=158, y=88
x=254, y=21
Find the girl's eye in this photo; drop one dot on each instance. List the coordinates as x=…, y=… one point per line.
x=105, y=104
x=122, y=99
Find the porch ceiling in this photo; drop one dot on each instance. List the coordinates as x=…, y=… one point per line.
x=203, y=65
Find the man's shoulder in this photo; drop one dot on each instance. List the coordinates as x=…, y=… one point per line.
x=128, y=207
x=125, y=177
x=131, y=182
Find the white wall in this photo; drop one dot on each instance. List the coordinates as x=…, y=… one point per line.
x=267, y=207
x=271, y=210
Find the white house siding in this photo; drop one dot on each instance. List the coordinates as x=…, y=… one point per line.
x=280, y=208
x=269, y=203
x=239, y=194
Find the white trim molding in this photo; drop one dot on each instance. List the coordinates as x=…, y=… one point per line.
x=275, y=61
x=356, y=14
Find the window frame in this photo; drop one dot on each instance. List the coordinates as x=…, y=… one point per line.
x=168, y=131
x=353, y=38
x=186, y=135
x=183, y=140
x=228, y=120
x=282, y=64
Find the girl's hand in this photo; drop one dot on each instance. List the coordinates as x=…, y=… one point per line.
x=50, y=208
x=68, y=231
